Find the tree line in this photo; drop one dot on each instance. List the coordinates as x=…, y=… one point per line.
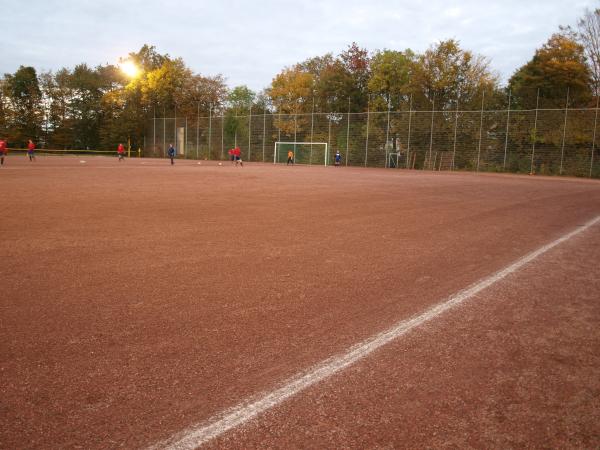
x=98, y=107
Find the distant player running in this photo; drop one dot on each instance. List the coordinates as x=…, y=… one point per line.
x=121, y=151
x=338, y=158
x=3, y=151
x=231, y=156
x=172, y=153
x=290, y=157
x=31, y=150
x=238, y=156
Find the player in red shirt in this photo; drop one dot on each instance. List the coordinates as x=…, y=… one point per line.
x=31, y=150
x=238, y=156
x=3, y=151
x=121, y=151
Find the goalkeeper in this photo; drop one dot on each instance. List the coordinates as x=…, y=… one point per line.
x=338, y=158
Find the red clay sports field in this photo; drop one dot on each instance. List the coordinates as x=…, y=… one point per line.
x=145, y=305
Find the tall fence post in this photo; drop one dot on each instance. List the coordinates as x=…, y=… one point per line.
x=312, y=127
x=537, y=103
x=249, y=132
x=222, y=134
x=175, y=131
x=154, y=133
x=506, y=133
x=387, y=133
x=328, y=132
x=197, y=130
x=455, y=131
x=164, y=131
x=264, y=132
x=594, y=137
x=295, y=131
x=431, y=134
x=408, y=138
x=209, y=131
x=480, y=131
x=367, y=140
x=348, y=133
x=235, y=144
x=562, y=149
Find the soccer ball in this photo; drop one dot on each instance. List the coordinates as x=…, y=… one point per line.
x=220, y=164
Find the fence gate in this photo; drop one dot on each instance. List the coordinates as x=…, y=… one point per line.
x=180, y=144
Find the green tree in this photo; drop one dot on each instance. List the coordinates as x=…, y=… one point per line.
x=447, y=73
x=25, y=100
x=174, y=85
x=239, y=103
x=334, y=87
x=241, y=99
x=85, y=106
x=122, y=114
x=390, y=74
x=147, y=58
x=332, y=83
x=316, y=64
x=559, y=65
x=5, y=112
x=205, y=91
x=57, y=98
x=165, y=86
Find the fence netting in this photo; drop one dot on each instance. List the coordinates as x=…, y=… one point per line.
x=547, y=141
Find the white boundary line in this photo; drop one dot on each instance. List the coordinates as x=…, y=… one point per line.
x=201, y=433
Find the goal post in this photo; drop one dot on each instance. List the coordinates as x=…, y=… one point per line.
x=304, y=152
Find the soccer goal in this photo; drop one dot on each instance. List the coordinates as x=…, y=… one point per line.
x=304, y=152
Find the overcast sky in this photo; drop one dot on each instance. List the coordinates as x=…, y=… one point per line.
x=249, y=42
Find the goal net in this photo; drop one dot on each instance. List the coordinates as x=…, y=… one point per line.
x=303, y=152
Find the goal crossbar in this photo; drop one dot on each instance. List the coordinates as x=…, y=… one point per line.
x=295, y=144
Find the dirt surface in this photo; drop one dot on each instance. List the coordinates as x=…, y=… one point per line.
x=139, y=298
x=516, y=367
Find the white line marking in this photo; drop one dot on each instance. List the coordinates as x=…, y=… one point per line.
x=199, y=434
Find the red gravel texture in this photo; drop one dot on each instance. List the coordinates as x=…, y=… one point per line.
x=140, y=298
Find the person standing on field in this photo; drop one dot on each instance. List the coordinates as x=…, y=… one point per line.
x=31, y=150
x=238, y=156
x=290, y=157
x=172, y=153
x=338, y=158
x=231, y=156
x=121, y=151
x=3, y=151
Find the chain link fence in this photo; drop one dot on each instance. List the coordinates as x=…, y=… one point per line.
x=546, y=141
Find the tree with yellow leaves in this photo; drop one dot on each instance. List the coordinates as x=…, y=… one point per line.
x=558, y=66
